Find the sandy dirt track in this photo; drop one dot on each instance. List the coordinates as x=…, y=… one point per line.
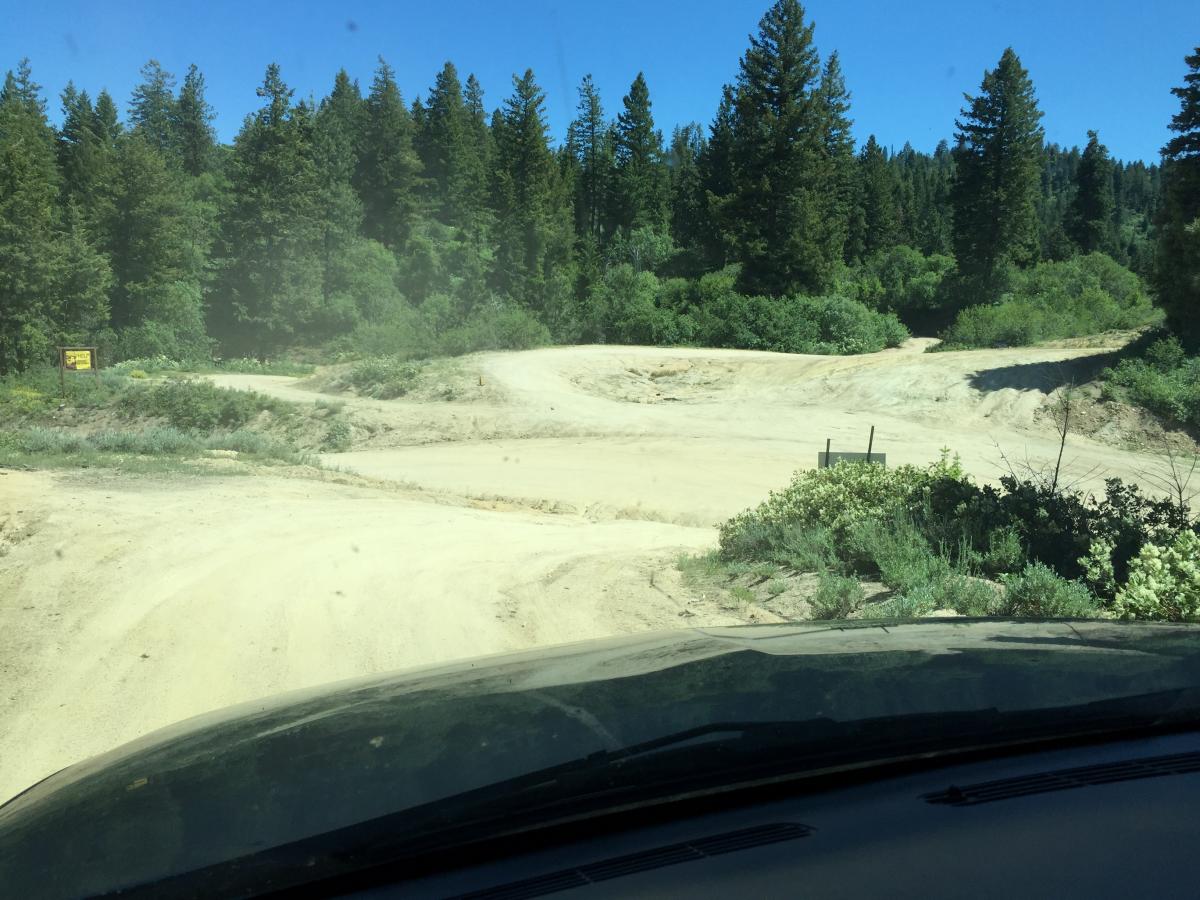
x=546, y=504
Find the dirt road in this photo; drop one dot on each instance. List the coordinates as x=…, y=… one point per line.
x=545, y=502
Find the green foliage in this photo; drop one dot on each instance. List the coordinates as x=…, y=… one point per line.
x=998, y=154
x=339, y=436
x=901, y=280
x=1038, y=592
x=1164, y=582
x=639, y=185
x=1165, y=381
x=785, y=207
x=835, y=498
x=897, y=551
x=360, y=224
x=384, y=377
x=837, y=596
x=198, y=405
x=1090, y=223
x=1081, y=296
x=1177, y=268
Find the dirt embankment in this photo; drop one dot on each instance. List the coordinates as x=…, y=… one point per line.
x=544, y=499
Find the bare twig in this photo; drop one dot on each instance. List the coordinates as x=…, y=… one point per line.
x=1174, y=476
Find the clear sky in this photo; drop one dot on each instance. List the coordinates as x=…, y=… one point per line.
x=1095, y=63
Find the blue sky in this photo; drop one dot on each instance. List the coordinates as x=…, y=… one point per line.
x=1096, y=63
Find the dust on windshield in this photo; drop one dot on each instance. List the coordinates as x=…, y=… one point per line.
x=312, y=375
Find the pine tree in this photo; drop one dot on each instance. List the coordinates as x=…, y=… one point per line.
x=339, y=122
x=270, y=288
x=388, y=166
x=839, y=159
x=998, y=157
x=589, y=144
x=875, y=220
x=450, y=151
x=152, y=106
x=84, y=151
x=639, y=188
x=147, y=240
x=1090, y=220
x=107, y=117
x=192, y=135
x=1178, y=253
x=52, y=280
x=783, y=213
x=718, y=182
x=687, y=194
x=475, y=176
x=533, y=229
x=28, y=198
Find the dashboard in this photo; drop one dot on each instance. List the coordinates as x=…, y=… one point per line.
x=1118, y=819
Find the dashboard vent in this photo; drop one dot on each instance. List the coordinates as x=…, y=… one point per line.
x=1065, y=779
x=619, y=866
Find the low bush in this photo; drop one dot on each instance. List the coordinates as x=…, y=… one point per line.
x=384, y=377
x=955, y=591
x=834, y=498
x=339, y=436
x=1164, y=582
x=1038, y=592
x=251, y=366
x=837, y=597
x=162, y=441
x=1164, y=381
x=1080, y=296
x=897, y=551
x=198, y=405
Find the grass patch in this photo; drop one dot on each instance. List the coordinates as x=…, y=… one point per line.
x=40, y=446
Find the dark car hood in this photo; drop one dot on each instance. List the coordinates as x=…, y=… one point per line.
x=260, y=775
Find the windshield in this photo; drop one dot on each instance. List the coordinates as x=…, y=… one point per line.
x=413, y=764
x=342, y=339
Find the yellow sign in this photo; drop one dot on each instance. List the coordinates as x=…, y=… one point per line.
x=77, y=360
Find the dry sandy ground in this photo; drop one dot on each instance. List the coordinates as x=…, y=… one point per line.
x=546, y=503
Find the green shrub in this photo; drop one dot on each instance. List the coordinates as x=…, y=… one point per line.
x=837, y=597
x=251, y=366
x=384, y=377
x=197, y=405
x=834, y=498
x=48, y=440
x=161, y=441
x=1079, y=296
x=897, y=551
x=1164, y=582
x=1005, y=552
x=150, y=365
x=338, y=436
x=900, y=279
x=1038, y=592
x=807, y=548
x=1165, y=381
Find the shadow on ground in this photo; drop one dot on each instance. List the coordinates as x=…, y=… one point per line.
x=1043, y=376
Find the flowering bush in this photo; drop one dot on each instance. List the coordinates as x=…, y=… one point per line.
x=1164, y=582
x=836, y=498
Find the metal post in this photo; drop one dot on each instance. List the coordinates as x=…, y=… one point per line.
x=870, y=443
x=827, y=440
